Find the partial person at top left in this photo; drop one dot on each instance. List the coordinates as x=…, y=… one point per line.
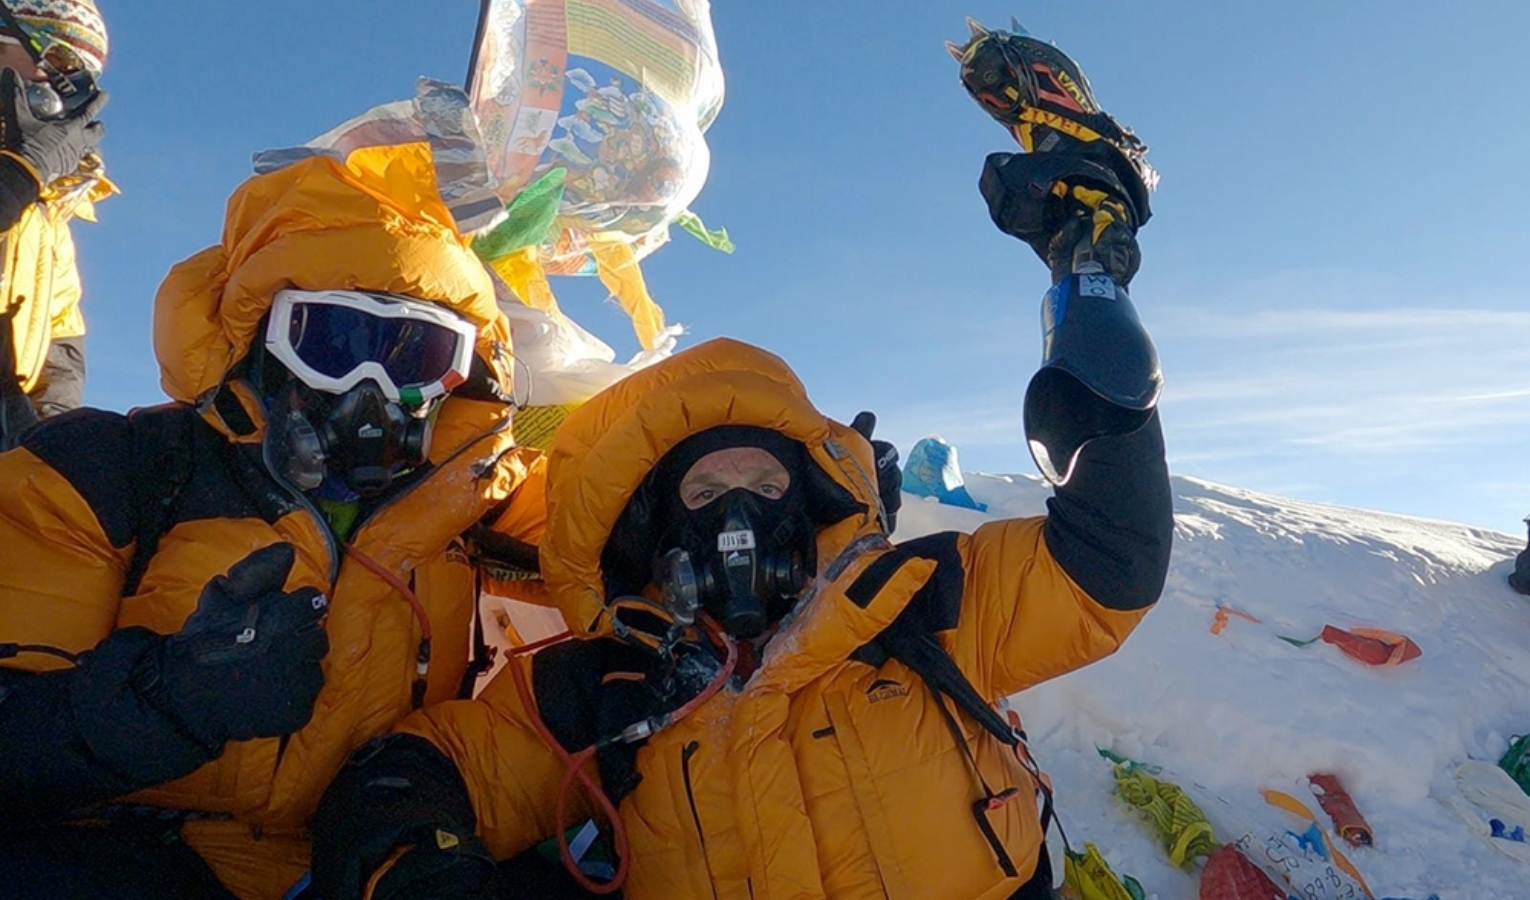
x=52, y=53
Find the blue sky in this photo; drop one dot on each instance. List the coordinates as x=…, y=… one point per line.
x=1329, y=272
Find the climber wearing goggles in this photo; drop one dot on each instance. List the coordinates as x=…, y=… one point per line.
x=334, y=340
x=365, y=371
x=68, y=82
x=51, y=54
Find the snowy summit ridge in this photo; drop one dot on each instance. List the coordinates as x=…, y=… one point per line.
x=1231, y=713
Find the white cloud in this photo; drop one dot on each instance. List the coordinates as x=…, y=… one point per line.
x=1317, y=384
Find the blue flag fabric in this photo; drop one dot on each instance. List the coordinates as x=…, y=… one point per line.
x=932, y=471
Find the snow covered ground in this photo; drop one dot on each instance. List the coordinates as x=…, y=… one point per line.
x=1229, y=714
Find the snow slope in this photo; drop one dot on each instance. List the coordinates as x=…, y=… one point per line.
x=1227, y=715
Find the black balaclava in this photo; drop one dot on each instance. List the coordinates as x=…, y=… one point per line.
x=751, y=555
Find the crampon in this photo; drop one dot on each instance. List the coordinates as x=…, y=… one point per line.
x=1040, y=95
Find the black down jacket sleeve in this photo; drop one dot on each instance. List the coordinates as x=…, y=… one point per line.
x=75, y=737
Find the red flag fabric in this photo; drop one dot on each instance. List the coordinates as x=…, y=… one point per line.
x=1373, y=646
x=1335, y=800
x=1230, y=876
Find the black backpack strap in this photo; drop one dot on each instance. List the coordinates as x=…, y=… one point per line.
x=907, y=641
x=503, y=556
x=16, y=411
x=483, y=655
x=163, y=439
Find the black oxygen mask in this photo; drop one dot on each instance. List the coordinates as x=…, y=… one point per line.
x=749, y=557
x=359, y=436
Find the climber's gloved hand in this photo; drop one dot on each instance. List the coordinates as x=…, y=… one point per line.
x=247, y=662
x=889, y=473
x=50, y=148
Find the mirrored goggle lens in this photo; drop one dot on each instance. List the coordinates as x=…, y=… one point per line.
x=55, y=54
x=63, y=59
x=334, y=340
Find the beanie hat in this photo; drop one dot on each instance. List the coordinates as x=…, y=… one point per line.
x=73, y=22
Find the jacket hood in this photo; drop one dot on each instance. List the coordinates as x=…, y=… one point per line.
x=602, y=455
x=374, y=222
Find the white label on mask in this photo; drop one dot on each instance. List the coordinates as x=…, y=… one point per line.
x=735, y=540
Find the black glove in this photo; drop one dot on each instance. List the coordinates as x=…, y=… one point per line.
x=889, y=481
x=246, y=664
x=889, y=475
x=460, y=872
x=53, y=147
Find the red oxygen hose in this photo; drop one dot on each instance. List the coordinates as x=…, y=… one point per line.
x=574, y=763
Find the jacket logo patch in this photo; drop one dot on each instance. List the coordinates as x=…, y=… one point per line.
x=885, y=689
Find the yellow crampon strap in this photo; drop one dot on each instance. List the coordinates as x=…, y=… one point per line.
x=1107, y=209
x=1108, y=213
x=1086, y=876
x=1052, y=120
x=1179, y=823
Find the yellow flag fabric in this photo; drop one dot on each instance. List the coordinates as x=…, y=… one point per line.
x=1178, y=822
x=617, y=265
x=526, y=277
x=1087, y=876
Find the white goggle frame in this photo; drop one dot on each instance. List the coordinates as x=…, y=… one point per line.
x=382, y=306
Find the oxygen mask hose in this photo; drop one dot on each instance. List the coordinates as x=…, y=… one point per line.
x=574, y=763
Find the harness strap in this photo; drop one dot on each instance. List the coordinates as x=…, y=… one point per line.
x=162, y=438
x=990, y=800
x=918, y=649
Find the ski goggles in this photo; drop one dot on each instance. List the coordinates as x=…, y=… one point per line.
x=334, y=340
x=70, y=85
x=55, y=57
x=70, y=76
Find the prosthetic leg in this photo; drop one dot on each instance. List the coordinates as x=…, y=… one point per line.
x=1077, y=196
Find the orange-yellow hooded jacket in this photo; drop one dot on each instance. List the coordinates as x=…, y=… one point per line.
x=830, y=773
x=84, y=490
